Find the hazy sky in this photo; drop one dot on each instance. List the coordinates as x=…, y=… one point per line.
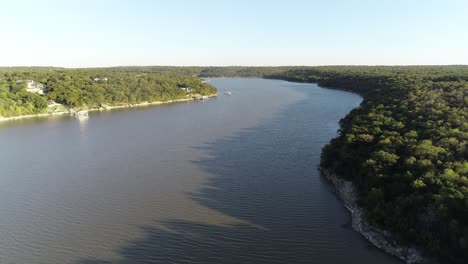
x=85, y=33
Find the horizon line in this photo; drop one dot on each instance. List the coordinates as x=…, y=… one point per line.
x=239, y=66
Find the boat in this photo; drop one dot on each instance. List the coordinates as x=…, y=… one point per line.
x=227, y=93
x=83, y=114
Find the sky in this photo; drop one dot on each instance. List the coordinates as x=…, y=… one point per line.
x=101, y=33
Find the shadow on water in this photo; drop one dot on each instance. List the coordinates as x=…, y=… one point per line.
x=267, y=178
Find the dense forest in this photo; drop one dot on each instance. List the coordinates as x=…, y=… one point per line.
x=404, y=147
x=84, y=88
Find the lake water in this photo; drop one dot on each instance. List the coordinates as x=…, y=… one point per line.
x=229, y=180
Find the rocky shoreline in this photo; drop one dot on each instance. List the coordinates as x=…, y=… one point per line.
x=71, y=111
x=379, y=238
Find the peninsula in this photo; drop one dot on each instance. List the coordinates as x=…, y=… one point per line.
x=32, y=92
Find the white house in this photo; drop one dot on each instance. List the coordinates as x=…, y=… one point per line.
x=100, y=79
x=33, y=86
x=186, y=89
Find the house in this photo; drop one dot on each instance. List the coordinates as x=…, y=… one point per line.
x=100, y=79
x=186, y=89
x=33, y=86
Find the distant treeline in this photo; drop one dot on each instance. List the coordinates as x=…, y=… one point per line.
x=83, y=88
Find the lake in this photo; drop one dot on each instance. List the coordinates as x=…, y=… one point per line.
x=228, y=180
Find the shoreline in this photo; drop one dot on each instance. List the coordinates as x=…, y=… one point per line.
x=381, y=239
x=345, y=191
x=71, y=111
